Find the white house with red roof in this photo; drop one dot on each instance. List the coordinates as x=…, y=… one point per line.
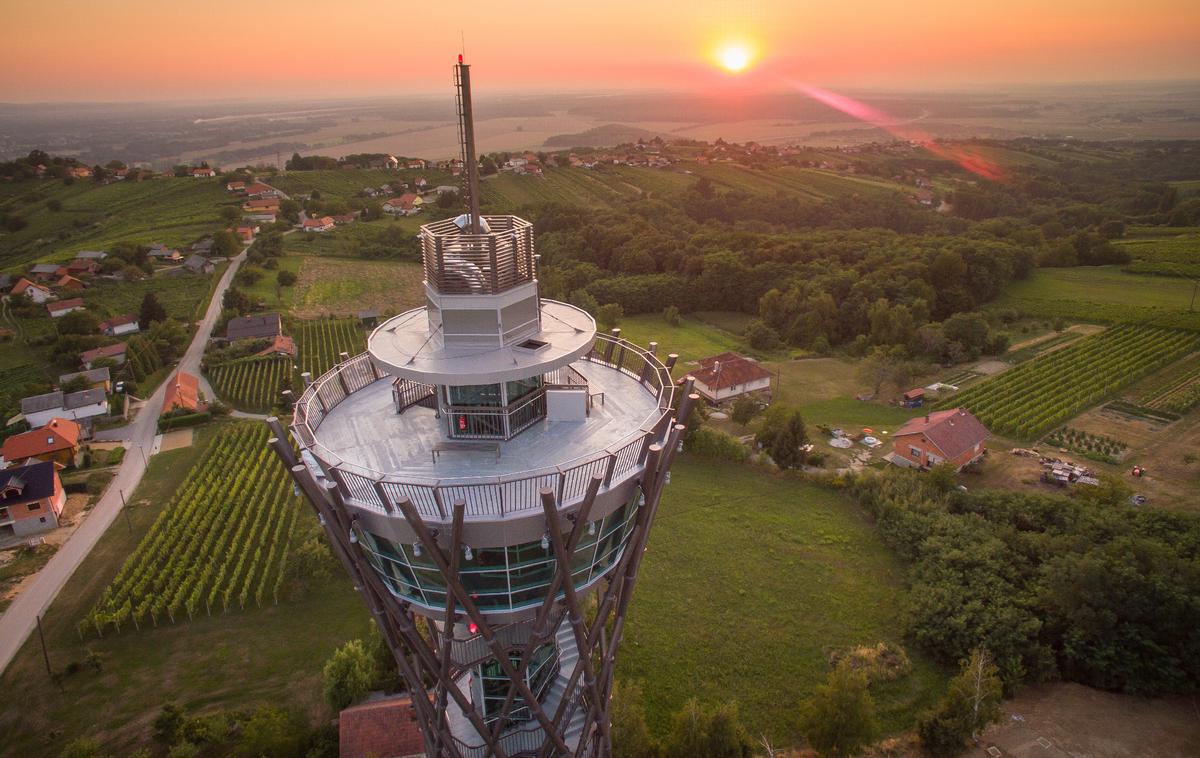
x=954, y=436
x=32, y=290
x=118, y=325
x=61, y=308
x=322, y=224
x=203, y=172
x=729, y=375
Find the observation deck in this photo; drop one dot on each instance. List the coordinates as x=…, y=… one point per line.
x=347, y=421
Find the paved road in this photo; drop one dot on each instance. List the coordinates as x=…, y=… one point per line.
x=21, y=617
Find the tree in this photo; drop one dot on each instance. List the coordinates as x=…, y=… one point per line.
x=745, y=408
x=609, y=315
x=285, y=278
x=83, y=747
x=347, y=675
x=839, y=718
x=230, y=213
x=270, y=732
x=630, y=735
x=885, y=365
x=782, y=435
x=78, y=322
x=671, y=315
x=971, y=702
x=760, y=336
x=169, y=724
x=698, y=732
x=151, y=311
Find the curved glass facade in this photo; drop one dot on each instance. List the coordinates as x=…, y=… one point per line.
x=543, y=667
x=501, y=578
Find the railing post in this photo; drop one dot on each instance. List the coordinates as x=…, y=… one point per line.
x=441, y=263
x=562, y=483
x=437, y=500
x=608, y=350
x=671, y=358
x=653, y=348
x=495, y=268
x=342, y=381
x=608, y=472
x=307, y=378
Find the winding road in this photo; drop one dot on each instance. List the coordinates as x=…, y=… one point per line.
x=19, y=620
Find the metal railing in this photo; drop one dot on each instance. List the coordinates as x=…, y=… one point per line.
x=406, y=393
x=486, y=496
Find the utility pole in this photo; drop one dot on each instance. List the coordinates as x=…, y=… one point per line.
x=125, y=511
x=45, y=654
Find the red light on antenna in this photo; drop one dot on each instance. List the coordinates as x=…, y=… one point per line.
x=460, y=57
x=472, y=628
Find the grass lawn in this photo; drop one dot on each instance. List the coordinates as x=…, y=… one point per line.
x=1101, y=294
x=267, y=290
x=693, y=339
x=179, y=295
x=347, y=183
x=751, y=580
x=274, y=654
x=345, y=286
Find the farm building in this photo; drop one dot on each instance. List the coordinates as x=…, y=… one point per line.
x=198, y=264
x=953, y=436
x=914, y=398
x=115, y=353
x=267, y=326
x=183, y=391
x=48, y=272
x=63, y=307
x=57, y=441
x=281, y=345
x=115, y=327
x=31, y=499
x=97, y=378
x=321, y=224
x=730, y=375
x=261, y=205
x=68, y=282
x=82, y=267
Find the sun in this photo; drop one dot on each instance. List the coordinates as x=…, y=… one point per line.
x=734, y=57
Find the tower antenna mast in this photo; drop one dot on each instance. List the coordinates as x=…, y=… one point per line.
x=466, y=133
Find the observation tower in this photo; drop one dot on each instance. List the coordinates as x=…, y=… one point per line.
x=487, y=473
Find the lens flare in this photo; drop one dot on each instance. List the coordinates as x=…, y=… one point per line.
x=966, y=157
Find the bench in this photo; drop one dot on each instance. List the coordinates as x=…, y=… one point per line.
x=465, y=447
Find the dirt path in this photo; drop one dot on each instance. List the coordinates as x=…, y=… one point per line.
x=1065, y=720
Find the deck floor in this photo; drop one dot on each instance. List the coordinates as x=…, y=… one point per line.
x=365, y=430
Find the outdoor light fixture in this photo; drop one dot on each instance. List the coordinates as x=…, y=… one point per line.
x=467, y=553
x=592, y=528
x=321, y=518
x=546, y=541
x=417, y=549
x=353, y=536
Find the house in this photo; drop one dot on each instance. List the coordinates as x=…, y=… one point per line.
x=68, y=282
x=923, y=196
x=416, y=164
x=39, y=410
x=82, y=267
x=953, y=436
x=60, y=308
x=282, y=345
x=203, y=247
x=115, y=353
x=729, y=375
x=203, y=173
x=246, y=232
x=57, y=441
x=260, y=218
x=97, y=378
x=115, y=327
x=165, y=254
x=420, y=182
x=260, y=190
x=6, y=282
x=261, y=205
x=235, y=187
x=383, y=727
x=914, y=398
x=446, y=189
x=322, y=224
x=31, y=499
x=48, y=272
x=342, y=219
x=35, y=292
x=405, y=205
x=267, y=326
x=198, y=264
x=183, y=391
x=79, y=172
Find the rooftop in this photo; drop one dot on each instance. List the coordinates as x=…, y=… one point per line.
x=953, y=432
x=27, y=483
x=253, y=327
x=729, y=370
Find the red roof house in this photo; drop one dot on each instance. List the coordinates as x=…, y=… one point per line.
x=63, y=307
x=322, y=224
x=729, y=375
x=281, y=345
x=32, y=290
x=183, y=391
x=31, y=499
x=116, y=352
x=953, y=436
x=56, y=441
x=385, y=728
x=68, y=282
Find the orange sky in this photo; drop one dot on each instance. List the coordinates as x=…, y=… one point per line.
x=188, y=49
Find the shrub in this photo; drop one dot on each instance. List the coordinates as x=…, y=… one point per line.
x=710, y=443
x=347, y=675
x=98, y=481
x=179, y=422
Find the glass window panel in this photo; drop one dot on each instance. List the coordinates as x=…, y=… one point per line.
x=476, y=394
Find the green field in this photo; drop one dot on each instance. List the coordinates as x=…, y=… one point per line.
x=1040, y=394
x=272, y=654
x=181, y=296
x=252, y=384
x=1167, y=251
x=345, y=184
x=320, y=343
x=222, y=540
x=1102, y=294
x=266, y=291
x=749, y=582
x=93, y=217
x=691, y=340
x=347, y=286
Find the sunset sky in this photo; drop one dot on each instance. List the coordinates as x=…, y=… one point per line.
x=66, y=50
